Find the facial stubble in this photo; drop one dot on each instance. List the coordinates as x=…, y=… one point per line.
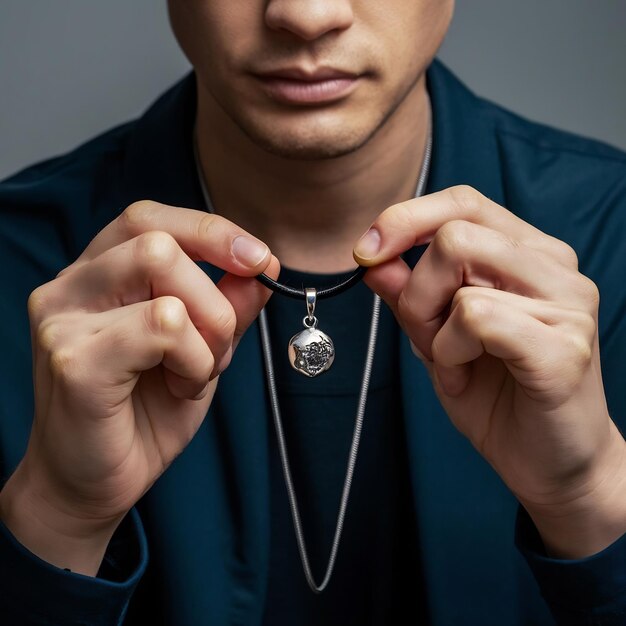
x=309, y=147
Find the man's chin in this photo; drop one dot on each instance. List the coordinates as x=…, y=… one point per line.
x=305, y=151
x=306, y=146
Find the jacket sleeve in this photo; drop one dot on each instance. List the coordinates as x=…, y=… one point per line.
x=579, y=592
x=34, y=592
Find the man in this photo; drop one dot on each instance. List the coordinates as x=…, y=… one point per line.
x=312, y=125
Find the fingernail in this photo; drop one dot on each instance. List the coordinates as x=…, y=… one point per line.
x=368, y=246
x=249, y=251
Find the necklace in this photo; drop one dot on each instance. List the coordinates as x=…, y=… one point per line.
x=310, y=323
x=311, y=351
x=367, y=370
x=291, y=292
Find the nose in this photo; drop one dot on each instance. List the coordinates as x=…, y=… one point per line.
x=309, y=19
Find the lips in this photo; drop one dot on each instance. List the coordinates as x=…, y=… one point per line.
x=303, y=87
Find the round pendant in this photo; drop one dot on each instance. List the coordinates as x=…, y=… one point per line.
x=311, y=352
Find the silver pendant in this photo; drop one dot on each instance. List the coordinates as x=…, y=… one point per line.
x=311, y=351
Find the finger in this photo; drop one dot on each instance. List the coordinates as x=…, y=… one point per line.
x=462, y=254
x=147, y=267
x=416, y=221
x=247, y=297
x=203, y=236
x=486, y=323
x=388, y=280
x=141, y=336
x=569, y=318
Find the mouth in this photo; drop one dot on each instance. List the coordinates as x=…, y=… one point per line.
x=297, y=86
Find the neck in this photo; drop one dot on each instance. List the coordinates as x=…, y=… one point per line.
x=311, y=213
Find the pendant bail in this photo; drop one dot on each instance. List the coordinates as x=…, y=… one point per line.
x=310, y=293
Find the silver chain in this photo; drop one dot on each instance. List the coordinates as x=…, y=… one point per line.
x=271, y=381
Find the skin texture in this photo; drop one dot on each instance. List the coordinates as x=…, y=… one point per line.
x=130, y=334
x=308, y=207
x=123, y=337
x=508, y=330
x=229, y=42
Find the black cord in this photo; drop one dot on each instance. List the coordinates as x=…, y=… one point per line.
x=292, y=292
x=270, y=283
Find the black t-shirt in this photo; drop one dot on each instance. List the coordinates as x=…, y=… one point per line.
x=377, y=577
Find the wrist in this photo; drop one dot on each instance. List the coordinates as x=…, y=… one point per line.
x=583, y=524
x=53, y=535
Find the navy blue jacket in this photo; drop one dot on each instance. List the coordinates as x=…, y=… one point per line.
x=205, y=522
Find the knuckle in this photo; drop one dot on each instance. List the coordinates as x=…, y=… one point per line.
x=590, y=292
x=37, y=303
x=588, y=326
x=156, y=249
x=452, y=238
x=567, y=254
x=579, y=349
x=48, y=334
x=136, y=215
x=460, y=295
x=582, y=323
x=166, y=315
x=467, y=200
x=475, y=310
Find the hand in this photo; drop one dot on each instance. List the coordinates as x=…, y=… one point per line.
x=128, y=343
x=507, y=328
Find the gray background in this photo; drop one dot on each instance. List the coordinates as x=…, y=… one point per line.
x=72, y=68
